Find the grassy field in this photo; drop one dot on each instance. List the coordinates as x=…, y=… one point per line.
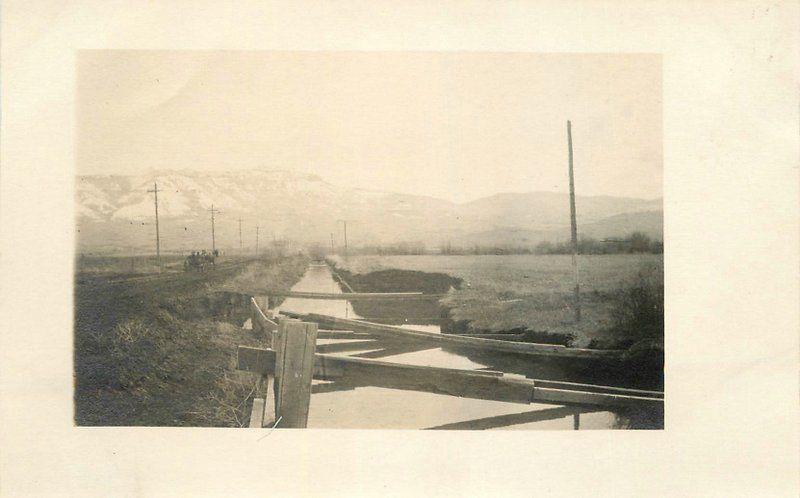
x=128, y=266
x=163, y=352
x=534, y=292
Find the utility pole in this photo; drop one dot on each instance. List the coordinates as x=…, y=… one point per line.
x=213, y=236
x=345, y=237
x=241, y=248
x=158, y=236
x=333, y=249
x=574, y=226
x=257, y=240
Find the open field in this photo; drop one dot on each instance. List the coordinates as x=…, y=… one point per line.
x=137, y=265
x=532, y=292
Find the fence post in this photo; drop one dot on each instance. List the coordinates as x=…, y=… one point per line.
x=294, y=366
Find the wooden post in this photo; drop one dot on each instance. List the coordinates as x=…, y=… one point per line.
x=294, y=367
x=576, y=421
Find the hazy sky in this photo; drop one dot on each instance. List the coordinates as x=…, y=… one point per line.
x=456, y=125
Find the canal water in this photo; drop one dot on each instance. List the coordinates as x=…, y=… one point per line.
x=380, y=408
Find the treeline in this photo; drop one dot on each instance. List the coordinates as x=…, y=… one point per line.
x=636, y=242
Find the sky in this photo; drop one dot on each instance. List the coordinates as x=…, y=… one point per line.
x=453, y=125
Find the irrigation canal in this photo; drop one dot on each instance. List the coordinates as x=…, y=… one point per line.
x=380, y=408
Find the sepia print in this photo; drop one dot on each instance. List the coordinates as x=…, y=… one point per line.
x=369, y=240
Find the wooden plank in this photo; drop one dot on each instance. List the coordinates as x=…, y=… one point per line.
x=499, y=337
x=393, y=350
x=565, y=397
x=458, y=341
x=269, y=402
x=474, y=384
x=464, y=383
x=343, y=347
x=259, y=319
x=294, y=363
x=575, y=386
x=513, y=419
x=257, y=413
x=335, y=334
x=357, y=296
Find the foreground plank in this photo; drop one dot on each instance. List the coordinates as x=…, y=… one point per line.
x=474, y=384
x=293, y=365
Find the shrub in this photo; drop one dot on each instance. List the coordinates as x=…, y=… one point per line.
x=638, y=311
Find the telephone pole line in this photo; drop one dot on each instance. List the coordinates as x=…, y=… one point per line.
x=573, y=226
x=213, y=235
x=158, y=235
x=257, y=240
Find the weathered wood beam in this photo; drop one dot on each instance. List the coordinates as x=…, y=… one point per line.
x=293, y=366
x=343, y=347
x=513, y=419
x=499, y=337
x=259, y=320
x=474, y=384
x=393, y=350
x=336, y=334
x=455, y=340
x=257, y=413
x=575, y=386
x=355, y=296
x=568, y=397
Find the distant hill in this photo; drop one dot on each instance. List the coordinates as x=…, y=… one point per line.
x=117, y=212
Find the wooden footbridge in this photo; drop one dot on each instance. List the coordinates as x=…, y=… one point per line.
x=292, y=359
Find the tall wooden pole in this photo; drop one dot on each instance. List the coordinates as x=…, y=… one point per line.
x=257, y=241
x=158, y=235
x=574, y=226
x=345, y=237
x=213, y=235
x=241, y=247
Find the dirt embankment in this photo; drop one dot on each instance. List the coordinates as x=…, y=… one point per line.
x=162, y=353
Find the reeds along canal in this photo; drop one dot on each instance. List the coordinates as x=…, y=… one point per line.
x=372, y=407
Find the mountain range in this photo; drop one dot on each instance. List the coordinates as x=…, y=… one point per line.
x=115, y=212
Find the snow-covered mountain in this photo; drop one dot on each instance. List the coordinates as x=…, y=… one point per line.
x=118, y=211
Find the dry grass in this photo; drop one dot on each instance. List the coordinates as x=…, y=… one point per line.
x=168, y=358
x=532, y=292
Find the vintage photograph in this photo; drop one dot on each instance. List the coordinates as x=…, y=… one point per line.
x=369, y=240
